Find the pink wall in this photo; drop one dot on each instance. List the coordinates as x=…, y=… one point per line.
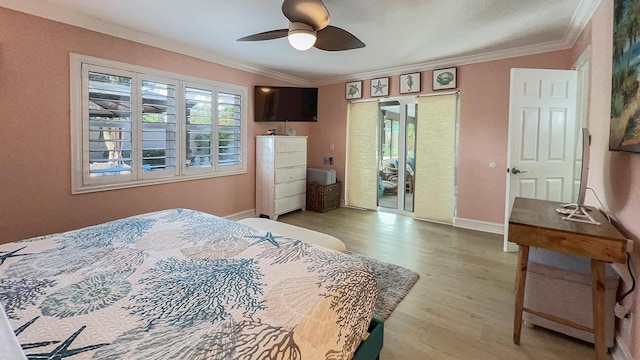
x=35, y=181
x=330, y=129
x=614, y=176
x=484, y=118
x=484, y=123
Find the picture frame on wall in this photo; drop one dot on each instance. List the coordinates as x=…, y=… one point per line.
x=624, y=126
x=410, y=83
x=445, y=79
x=353, y=90
x=380, y=87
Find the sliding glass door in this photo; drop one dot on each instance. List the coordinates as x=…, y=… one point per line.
x=397, y=125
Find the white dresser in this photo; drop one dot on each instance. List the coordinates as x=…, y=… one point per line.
x=281, y=171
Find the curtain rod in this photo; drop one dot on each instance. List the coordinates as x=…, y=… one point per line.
x=457, y=92
x=391, y=98
x=361, y=101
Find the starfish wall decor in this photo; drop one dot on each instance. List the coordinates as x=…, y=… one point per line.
x=380, y=87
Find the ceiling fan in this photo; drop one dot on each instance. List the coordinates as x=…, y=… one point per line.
x=309, y=26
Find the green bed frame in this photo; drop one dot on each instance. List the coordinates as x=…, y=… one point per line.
x=370, y=348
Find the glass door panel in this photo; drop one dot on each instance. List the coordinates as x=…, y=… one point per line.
x=389, y=148
x=397, y=152
x=410, y=155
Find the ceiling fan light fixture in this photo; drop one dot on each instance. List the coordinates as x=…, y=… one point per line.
x=301, y=36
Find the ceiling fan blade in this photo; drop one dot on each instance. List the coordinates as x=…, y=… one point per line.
x=310, y=12
x=333, y=38
x=267, y=35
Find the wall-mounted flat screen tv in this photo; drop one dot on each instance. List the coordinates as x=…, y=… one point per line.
x=278, y=103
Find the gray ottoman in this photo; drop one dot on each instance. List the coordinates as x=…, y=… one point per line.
x=560, y=285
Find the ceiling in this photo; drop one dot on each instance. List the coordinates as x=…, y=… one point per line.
x=400, y=35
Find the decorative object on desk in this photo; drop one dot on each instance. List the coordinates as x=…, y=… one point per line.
x=290, y=131
x=579, y=212
x=624, y=133
x=445, y=79
x=272, y=131
x=380, y=87
x=394, y=283
x=354, y=90
x=410, y=83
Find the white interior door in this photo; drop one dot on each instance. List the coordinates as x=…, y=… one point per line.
x=542, y=136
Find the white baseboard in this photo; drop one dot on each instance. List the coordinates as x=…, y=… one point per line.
x=433, y=221
x=620, y=351
x=484, y=226
x=242, y=215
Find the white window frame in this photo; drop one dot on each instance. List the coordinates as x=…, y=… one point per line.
x=81, y=182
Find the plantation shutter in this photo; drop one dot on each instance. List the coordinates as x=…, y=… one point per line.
x=135, y=126
x=199, y=128
x=109, y=123
x=229, y=129
x=361, y=178
x=158, y=128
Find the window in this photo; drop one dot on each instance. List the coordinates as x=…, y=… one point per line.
x=199, y=127
x=159, y=127
x=135, y=126
x=229, y=133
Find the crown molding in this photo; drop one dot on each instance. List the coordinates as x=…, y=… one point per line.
x=49, y=10
x=579, y=21
x=456, y=61
x=64, y=15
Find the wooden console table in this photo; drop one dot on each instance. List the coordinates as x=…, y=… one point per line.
x=536, y=223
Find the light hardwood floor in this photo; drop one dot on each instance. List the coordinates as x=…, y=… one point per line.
x=462, y=306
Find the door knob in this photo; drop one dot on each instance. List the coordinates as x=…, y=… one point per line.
x=515, y=170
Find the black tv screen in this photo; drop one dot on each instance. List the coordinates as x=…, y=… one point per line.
x=278, y=103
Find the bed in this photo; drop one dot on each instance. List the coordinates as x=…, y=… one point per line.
x=183, y=284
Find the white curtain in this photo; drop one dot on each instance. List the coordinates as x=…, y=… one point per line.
x=361, y=175
x=436, y=158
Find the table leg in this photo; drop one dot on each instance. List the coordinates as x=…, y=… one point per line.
x=521, y=278
x=598, y=292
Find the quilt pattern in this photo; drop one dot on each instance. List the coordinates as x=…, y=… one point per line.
x=183, y=284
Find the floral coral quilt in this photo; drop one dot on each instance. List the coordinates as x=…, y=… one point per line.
x=183, y=284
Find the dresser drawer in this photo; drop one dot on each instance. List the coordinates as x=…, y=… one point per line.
x=290, y=174
x=290, y=203
x=290, y=188
x=291, y=144
x=290, y=159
